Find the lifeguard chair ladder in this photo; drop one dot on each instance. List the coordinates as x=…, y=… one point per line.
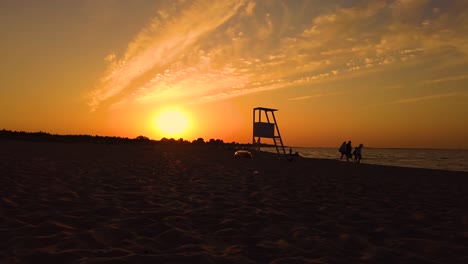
x=266, y=129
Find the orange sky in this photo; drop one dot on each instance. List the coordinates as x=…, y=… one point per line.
x=381, y=73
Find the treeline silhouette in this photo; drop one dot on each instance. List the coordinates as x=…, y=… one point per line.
x=46, y=137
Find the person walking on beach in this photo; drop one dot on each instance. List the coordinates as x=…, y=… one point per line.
x=342, y=150
x=355, y=154
x=358, y=154
x=349, y=149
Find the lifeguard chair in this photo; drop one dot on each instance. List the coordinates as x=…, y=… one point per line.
x=268, y=129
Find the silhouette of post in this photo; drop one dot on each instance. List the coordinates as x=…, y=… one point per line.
x=268, y=129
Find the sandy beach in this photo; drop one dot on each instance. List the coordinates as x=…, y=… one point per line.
x=155, y=203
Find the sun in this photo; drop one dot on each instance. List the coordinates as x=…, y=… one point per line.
x=172, y=123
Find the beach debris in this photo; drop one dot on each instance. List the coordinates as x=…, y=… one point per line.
x=243, y=154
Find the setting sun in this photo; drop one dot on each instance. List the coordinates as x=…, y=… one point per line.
x=172, y=123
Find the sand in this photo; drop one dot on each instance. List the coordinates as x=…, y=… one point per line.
x=146, y=203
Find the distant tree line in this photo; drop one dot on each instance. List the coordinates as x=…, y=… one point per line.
x=46, y=137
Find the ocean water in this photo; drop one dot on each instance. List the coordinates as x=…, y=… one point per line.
x=443, y=159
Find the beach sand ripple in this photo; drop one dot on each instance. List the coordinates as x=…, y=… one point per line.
x=146, y=203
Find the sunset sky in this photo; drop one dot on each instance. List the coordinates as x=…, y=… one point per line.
x=381, y=73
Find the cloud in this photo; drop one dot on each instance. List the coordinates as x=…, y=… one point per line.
x=445, y=79
x=163, y=42
x=200, y=51
x=307, y=97
x=422, y=98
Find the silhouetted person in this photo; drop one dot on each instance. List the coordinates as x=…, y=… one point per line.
x=349, y=149
x=290, y=157
x=342, y=150
x=358, y=154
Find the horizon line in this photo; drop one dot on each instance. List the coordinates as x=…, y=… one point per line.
x=272, y=145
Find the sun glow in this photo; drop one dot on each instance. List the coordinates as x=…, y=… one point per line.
x=172, y=123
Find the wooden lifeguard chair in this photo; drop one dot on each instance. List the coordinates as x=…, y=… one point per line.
x=268, y=129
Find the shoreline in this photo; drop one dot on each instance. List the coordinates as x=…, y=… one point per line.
x=389, y=166
x=450, y=160
x=145, y=203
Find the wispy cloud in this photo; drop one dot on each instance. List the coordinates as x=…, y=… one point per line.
x=445, y=79
x=422, y=98
x=205, y=50
x=307, y=97
x=164, y=42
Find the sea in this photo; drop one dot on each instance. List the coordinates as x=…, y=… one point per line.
x=441, y=159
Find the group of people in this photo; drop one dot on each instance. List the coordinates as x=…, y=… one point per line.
x=346, y=150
